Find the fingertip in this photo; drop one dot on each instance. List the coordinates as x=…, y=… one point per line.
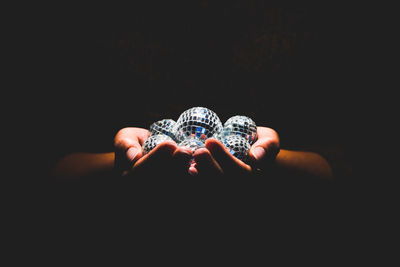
x=133, y=154
x=257, y=152
x=167, y=146
x=213, y=144
x=205, y=161
x=201, y=152
x=183, y=150
x=164, y=148
x=193, y=171
x=213, y=140
x=183, y=153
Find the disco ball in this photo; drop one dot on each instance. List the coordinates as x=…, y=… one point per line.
x=198, y=122
x=238, y=146
x=242, y=126
x=166, y=127
x=193, y=143
x=153, y=141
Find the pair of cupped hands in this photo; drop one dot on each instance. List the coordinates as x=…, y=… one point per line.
x=169, y=159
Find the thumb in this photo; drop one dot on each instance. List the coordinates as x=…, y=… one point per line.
x=133, y=153
x=257, y=153
x=128, y=149
x=264, y=151
x=126, y=158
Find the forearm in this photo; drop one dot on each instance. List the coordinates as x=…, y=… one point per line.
x=304, y=164
x=81, y=165
x=293, y=163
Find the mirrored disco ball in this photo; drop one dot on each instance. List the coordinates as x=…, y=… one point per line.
x=198, y=122
x=242, y=126
x=165, y=126
x=238, y=146
x=193, y=143
x=153, y=141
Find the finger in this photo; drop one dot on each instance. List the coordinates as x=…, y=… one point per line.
x=128, y=146
x=193, y=170
x=228, y=163
x=266, y=147
x=157, y=160
x=128, y=159
x=125, y=159
x=205, y=163
x=181, y=160
x=133, y=153
x=128, y=137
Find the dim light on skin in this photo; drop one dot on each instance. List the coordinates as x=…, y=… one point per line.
x=81, y=164
x=212, y=159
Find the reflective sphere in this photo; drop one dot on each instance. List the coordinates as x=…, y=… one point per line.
x=153, y=141
x=242, y=126
x=193, y=143
x=198, y=122
x=166, y=126
x=238, y=146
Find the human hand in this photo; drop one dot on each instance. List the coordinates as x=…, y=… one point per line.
x=165, y=158
x=215, y=159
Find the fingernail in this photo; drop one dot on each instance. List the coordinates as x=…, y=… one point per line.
x=193, y=171
x=131, y=153
x=258, y=152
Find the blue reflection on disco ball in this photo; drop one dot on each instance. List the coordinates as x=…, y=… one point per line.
x=242, y=126
x=238, y=146
x=153, y=141
x=165, y=126
x=198, y=122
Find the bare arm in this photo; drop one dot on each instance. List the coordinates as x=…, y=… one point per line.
x=302, y=163
x=80, y=165
x=127, y=159
x=214, y=159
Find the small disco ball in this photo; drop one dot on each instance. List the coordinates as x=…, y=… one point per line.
x=193, y=143
x=238, y=146
x=198, y=122
x=153, y=141
x=242, y=126
x=166, y=126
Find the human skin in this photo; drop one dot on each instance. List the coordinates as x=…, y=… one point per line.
x=167, y=158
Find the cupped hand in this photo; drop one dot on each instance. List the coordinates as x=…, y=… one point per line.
x=216, y=159
x=165, y=159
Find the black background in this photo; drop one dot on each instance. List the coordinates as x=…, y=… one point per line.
x=296, y=70
x=84, y=74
